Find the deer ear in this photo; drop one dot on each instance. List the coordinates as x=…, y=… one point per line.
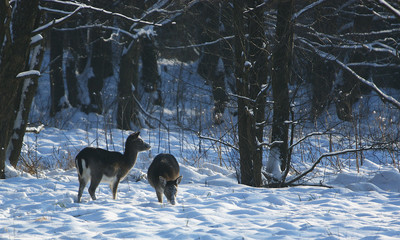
x=135, y=135
x=163, y=181
x=178, y=180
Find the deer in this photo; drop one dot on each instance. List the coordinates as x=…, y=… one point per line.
x=163, y=176
x=99, y=165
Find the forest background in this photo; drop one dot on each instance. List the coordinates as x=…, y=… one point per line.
x=272, y=75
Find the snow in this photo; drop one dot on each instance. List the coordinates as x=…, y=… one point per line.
x=36, y=39
x=273, y=164
x=211, y=204
x=362, y=203
x=248, y=64
x=30, y=73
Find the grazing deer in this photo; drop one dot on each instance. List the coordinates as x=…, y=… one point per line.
x=98, y=165
x=163, y=176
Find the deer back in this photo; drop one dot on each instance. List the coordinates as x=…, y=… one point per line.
x=164, y=165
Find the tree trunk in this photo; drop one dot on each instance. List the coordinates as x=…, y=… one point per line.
x=150, y=77
x=244, y=117
x=258, y=80
x=226, y=49
x=27, y=93
x=281, y=73
x=71, y=66
x=323, y=72
x=210, y=57
x=14, y=57
x=102, y=68
x=349, y=91
x=219, y=95
x=209, y=32
x=5, y=16
x=101, y=58
x=57, y=90
x=128, y=81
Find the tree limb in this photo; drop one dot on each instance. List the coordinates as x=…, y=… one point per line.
x=55, y=22
x=146, y=113
x=330, y=154
x=381, y=94
x=385, y=4
x=308, y=7
x=219, y=141
x=84, y=6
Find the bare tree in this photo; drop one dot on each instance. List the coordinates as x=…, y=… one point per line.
x=127, y=86
x=21, y=55
x=281, y=73
x=16, y=27
x=56, y=71
x=251, y=84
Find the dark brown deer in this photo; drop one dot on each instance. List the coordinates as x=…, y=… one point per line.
x=163, y=176
x=98, y=165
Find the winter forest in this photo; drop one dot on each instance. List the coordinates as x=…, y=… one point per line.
x=283, y=116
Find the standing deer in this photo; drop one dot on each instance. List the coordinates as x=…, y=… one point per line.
x=163, y=176
x=98, y=165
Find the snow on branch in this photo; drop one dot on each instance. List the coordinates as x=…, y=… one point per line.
x=36, y=39
x=81, y=6
x=116, y=29
x=384, y=96
x=381, y=94
x=351, y=45
x=35, y=130
x=250, y=99
x=201, y=44
x=395, y=11
x=269, y=145
x=55, y=22
x=28, y=74
x=308, y=7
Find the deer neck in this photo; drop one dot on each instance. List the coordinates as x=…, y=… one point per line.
x=130, y=156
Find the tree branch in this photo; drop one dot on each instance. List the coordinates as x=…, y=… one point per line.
x=330, y=154
x=381, y=94
x=146, y=113
x=55, y=22
x=84, y=6
x=308, y=7
x=218, y=141
x=385, y=4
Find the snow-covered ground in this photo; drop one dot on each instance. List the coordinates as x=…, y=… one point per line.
x=362, y=204
x=211, y=204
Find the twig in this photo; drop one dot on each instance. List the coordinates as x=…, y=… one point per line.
x=148, y=114
x=307, y=136
x=330, y=154
x=200, y=44
x=219, y=141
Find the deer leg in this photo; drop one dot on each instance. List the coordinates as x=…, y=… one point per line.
x=94, y=183
x=114, y=188
x=82, y=185
x=159, y=196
